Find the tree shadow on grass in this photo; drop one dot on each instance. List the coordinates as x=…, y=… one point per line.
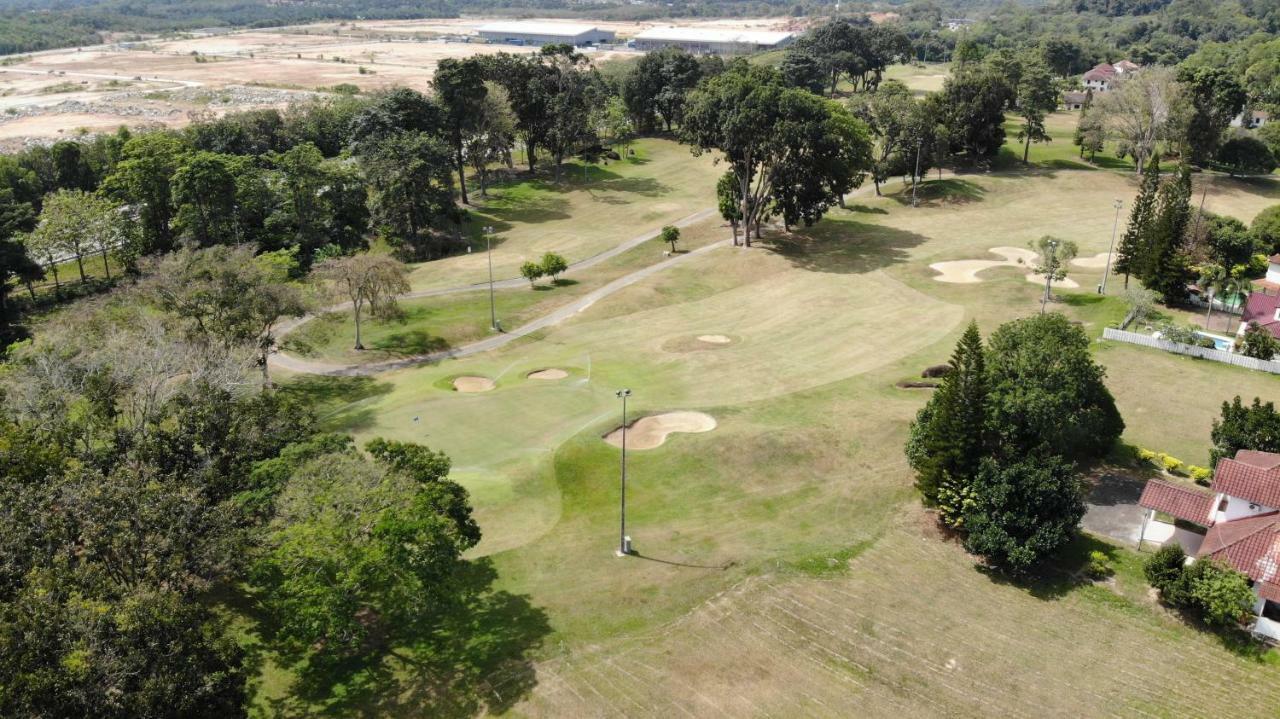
x=866, y=209
x=472, y=657
x=1062, y=573
x=843, y=245
x=943, y=193
x=410, y=343
x=338, y=401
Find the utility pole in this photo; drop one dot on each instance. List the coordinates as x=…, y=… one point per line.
x=624, y=542
x=1102, y=289
x=488, y=251
x=915, y=179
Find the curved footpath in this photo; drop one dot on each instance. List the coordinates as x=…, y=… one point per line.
x=280, y=360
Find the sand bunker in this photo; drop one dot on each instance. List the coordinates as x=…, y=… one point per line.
x=649, y=432
x=966, y=271
x=1098, y=261
x=473, y=384
x=715, y=339
x=549, y=373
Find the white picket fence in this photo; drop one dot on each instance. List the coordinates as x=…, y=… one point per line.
x=1216, y=355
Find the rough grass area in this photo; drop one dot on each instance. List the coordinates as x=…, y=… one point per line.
x=784, y=566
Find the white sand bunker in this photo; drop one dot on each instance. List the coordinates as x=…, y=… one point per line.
x=549, y=373
x=966, y=271
x=649, y=432
x=473, y=384
x=715, y=339
x=1098, y=261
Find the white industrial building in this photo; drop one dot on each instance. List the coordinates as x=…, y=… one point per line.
x=711, y=40
x=544, y=33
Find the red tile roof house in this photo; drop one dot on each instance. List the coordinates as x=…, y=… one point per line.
x=1263, y=305
x=1240, y=522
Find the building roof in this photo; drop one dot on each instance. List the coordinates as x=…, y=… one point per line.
x=1126, y=66
x=1251, y=545
x=1250, y=478
x=1101, y=71
x=702, y=34
x=1073, y=97
x=1260, y=308
x=1192, y=505
x=566, y=29
x=1274, y=258
x=1257, y=458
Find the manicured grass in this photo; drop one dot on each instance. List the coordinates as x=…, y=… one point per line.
x=786, y=568
x=920, y=78
x=582, y=215
x=429, y=324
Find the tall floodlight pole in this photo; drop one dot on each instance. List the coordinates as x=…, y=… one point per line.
x=1050, y=267
x=1102, y=289
x=915, y=179
x=488, y=250
x=624, y=544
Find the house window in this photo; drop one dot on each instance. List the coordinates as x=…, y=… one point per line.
x=1222, y=506
x=1271, y=611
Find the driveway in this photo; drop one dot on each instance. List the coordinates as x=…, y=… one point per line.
x=1112, y=509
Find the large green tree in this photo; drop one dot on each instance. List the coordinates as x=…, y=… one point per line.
x=142, y=180
x=360, y=549
x=1164, y=268
x=1255, y=426
x=1046, y=391
x=1131, y=252
x=1037, y=97
x=770, y=135
x=459, y=85
x=1023, y=510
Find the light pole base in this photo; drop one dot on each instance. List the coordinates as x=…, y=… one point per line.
x=625, y=550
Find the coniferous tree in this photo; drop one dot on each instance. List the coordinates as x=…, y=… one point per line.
x=1165, y=269
x=950, y=431
x=1129, y=254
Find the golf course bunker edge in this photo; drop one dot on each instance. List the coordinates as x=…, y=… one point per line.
x=547, y=373
x=651, y=431
x=469, y=383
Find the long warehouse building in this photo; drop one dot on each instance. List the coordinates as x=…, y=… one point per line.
x=711, y=41
x=544, y=33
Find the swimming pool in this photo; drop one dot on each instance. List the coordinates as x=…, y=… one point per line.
x=1219, y=342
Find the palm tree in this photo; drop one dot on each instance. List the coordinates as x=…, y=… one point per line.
x=1238, y=288
x=1212, y=280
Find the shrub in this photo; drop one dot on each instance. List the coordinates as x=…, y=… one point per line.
x=1099, y=565
x=531, y=271
x=1201, y=475
x=1258, y=343
x=1172, y=465
x=1246, y=155
x=1164, y=571
x=1146, y=455
x=1220, y=594
x=553, y=265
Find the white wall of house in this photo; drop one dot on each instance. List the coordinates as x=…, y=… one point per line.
x=1273, y=272
x=1237, y=508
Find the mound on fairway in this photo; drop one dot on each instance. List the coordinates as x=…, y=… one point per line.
x=966, y=271
x=649, y=432
x=1098, y=261
x=472, y=384
x=549, y=374
x=715, y=339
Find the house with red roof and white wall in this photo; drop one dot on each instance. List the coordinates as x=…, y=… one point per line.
x=1262, y=307
x=1102, y=76
x=1236, y=521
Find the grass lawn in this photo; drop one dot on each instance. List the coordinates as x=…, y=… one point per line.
x=785, y=566
x=429, y=324
x=582, y=215
x=920, y=78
